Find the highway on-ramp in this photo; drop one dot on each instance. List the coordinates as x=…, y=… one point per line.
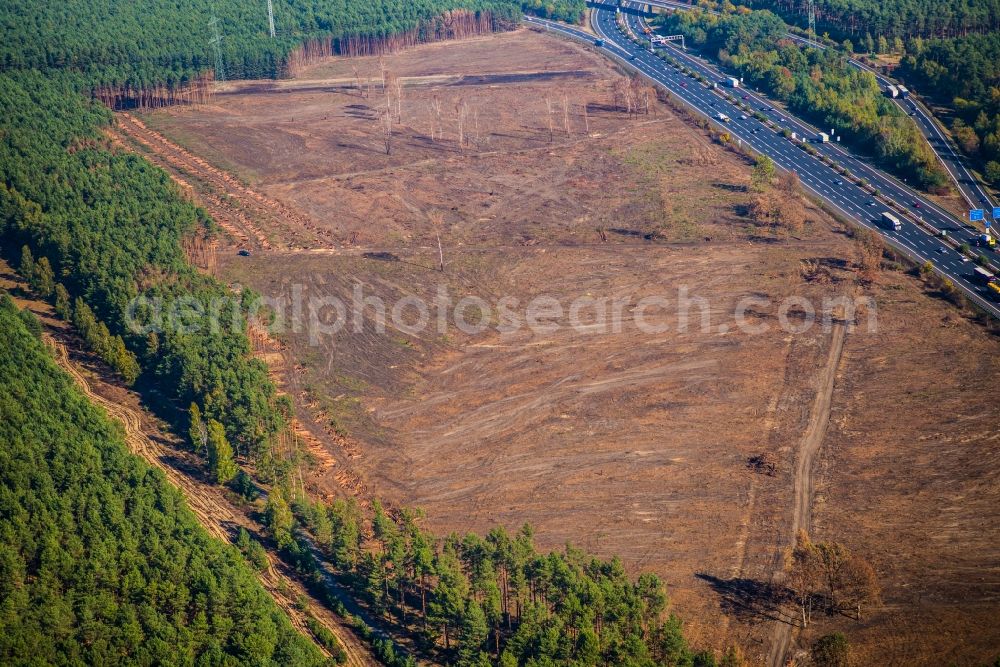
x=839, y=192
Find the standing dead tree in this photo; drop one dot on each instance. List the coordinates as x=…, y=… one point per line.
x=436, y=129
x=548, y=117
x=437, y=224
x=399, y=99
x=633, y=96
x=623, y=95
x=386, y=122
x=382, y=69
x=475, y=128
x=870, y=251
x=393, y=89
x=827, y=573
x=387, y=92
x=645, y=96
x=462, y=116
x=804, y=575
x=358, y=82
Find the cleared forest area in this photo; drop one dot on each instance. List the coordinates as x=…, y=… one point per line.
x=520, y=153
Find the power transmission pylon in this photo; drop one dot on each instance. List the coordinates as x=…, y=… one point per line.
x=812, y=19
x=216, y=41
x=270, y=17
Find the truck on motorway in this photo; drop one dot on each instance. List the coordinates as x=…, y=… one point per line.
x=891, y=91
x=986, y=240
x=891, y=221
x=732, y=82
x=983, y=277
x=903, y=92
x=822, y=138
x=722, y=117
x=993, y=290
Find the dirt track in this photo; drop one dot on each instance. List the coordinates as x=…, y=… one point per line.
x=648, y=468
x=524, y=428
x=215, y=515
x=819, y=419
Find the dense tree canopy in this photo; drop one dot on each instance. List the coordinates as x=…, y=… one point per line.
x=561, y=10
x=495, y=599
x=101, y=562
x=892, y=18
x=110, y=225
x=817, y=83
x=168, y=41
x=964, y=74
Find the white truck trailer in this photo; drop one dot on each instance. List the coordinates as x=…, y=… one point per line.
x=891, y=221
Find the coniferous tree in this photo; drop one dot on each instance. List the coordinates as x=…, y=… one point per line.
x=279, y=519
x=27, y=266
x=474, y=632
x=220, y=454
x=43, y=279
x=63, y=305
x=61, y=455
x=197, y=431
x=447, y=601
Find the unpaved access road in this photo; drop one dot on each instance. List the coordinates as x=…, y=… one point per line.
x=812, y=439
x=215, y=514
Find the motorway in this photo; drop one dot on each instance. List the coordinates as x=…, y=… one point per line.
x=966, y=183
x=823, y=181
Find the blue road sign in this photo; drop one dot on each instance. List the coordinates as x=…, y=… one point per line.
x=976, y=214
x=996, y=212
x=987, y=223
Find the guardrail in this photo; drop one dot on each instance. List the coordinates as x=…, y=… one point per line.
x=746, y=149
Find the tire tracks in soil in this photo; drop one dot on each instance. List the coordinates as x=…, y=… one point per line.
x=215, y=514
x=236, y=207
x=812, y=439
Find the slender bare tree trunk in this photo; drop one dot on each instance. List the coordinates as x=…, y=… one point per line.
x=437, y=223
x=399, y=100
x=386, y=121
x=548, y=115
x=436, y=120
x=462, y=111
x=358, y=83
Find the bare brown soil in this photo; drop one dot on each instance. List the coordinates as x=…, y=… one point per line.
x=623, y=442
x=803, y=493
